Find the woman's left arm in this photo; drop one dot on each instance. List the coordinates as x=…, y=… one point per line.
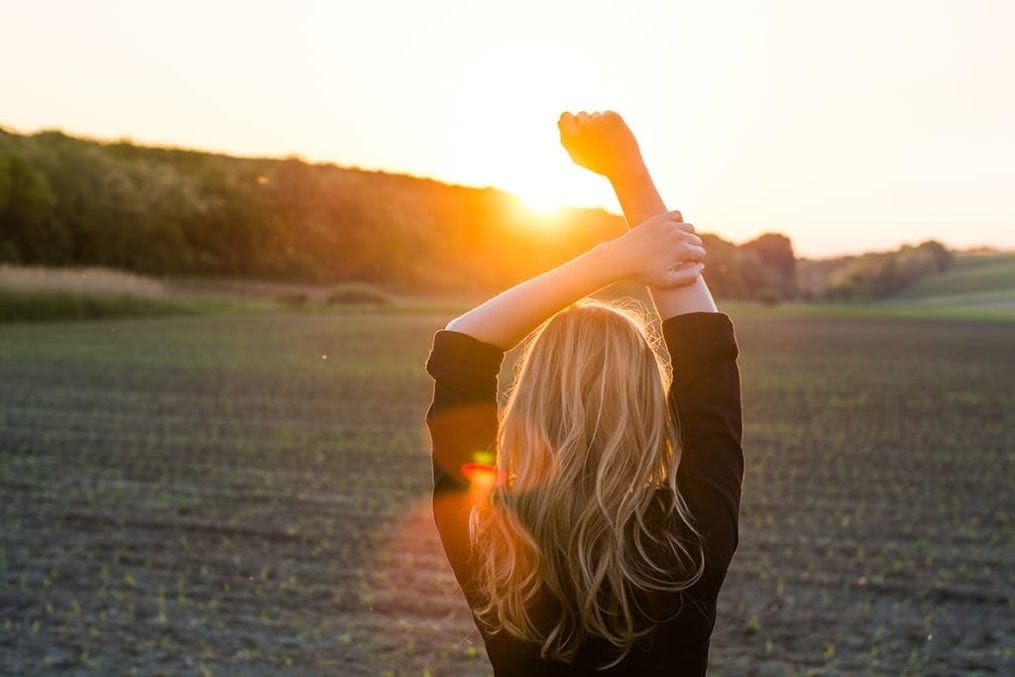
x=652, y=254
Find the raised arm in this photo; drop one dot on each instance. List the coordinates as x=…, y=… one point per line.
x=603, y=143
x=660, y=252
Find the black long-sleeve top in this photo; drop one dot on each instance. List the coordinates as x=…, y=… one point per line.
x=705, y=399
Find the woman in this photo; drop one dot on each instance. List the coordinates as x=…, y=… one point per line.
x=591, y=524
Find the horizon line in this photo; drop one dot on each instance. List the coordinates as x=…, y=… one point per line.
x=168, y=145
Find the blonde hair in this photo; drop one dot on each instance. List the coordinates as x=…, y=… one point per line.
x=583, y=444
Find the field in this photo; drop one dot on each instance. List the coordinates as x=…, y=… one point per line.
x=980, y=283
x=206, y=495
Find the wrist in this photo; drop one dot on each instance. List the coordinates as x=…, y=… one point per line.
x=629, y=170
x=609, y=261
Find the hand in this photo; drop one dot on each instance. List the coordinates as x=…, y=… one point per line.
x=662, y=251
x=600, y=142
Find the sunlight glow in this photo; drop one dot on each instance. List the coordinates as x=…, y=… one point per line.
x=543, y=205
x=824, y=121
x=482, y=478
x=547, y=190
x=543, y=194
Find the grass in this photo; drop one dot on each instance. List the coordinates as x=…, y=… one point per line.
x=248, y=494
x=38, y=293
x=35, y=306
x=79, y=280
x=959, y=310
x=977, y=285
x=971, y=274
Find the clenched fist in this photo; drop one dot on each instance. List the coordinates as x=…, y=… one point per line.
x=600, y=142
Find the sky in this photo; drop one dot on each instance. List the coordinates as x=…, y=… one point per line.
x=848, y=126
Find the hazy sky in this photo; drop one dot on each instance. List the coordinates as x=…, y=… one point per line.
x=847, y=125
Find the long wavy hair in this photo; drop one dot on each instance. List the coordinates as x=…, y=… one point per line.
x=584, y=442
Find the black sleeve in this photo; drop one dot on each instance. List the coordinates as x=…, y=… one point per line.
x=705, y=398
x=462, y=420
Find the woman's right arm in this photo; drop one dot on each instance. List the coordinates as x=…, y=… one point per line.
x=705, y=392
x=640, y=199
x=705, y=399
x=603, y=143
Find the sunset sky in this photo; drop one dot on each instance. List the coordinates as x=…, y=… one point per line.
x=847, y=125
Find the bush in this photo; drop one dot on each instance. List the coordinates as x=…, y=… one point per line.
x=769, y=297
x=358, y=293
x=17, y=306
x=89, y=280
x=292, y=299
x=877, y=275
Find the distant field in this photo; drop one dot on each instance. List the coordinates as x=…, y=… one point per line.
x=250, y=493
x=978, y=286
x=980, y=282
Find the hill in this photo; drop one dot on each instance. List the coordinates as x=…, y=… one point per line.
x=975, y=280
x=67, y=201
x=170, y=212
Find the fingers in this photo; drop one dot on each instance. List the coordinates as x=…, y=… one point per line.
x=683, y=276
x=686, y=227
x=693, y=253
x=570, y=122
x=684, y=246
x=684, y=232
x=567, y=124
x=678, y=218
x=584, y=117
x=685, y=266
x=676, y=237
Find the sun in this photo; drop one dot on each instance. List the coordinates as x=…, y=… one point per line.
x=547, y=192
x=543, y=202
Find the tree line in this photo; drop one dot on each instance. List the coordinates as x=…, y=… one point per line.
x=167, y=211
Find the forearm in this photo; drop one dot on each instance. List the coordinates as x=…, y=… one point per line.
x=640, y=200
x=637, y=193
x=510, y=316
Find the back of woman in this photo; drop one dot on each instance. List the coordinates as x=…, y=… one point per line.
x=590, y=523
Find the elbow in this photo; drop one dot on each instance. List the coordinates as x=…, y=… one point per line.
x=454, y=324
